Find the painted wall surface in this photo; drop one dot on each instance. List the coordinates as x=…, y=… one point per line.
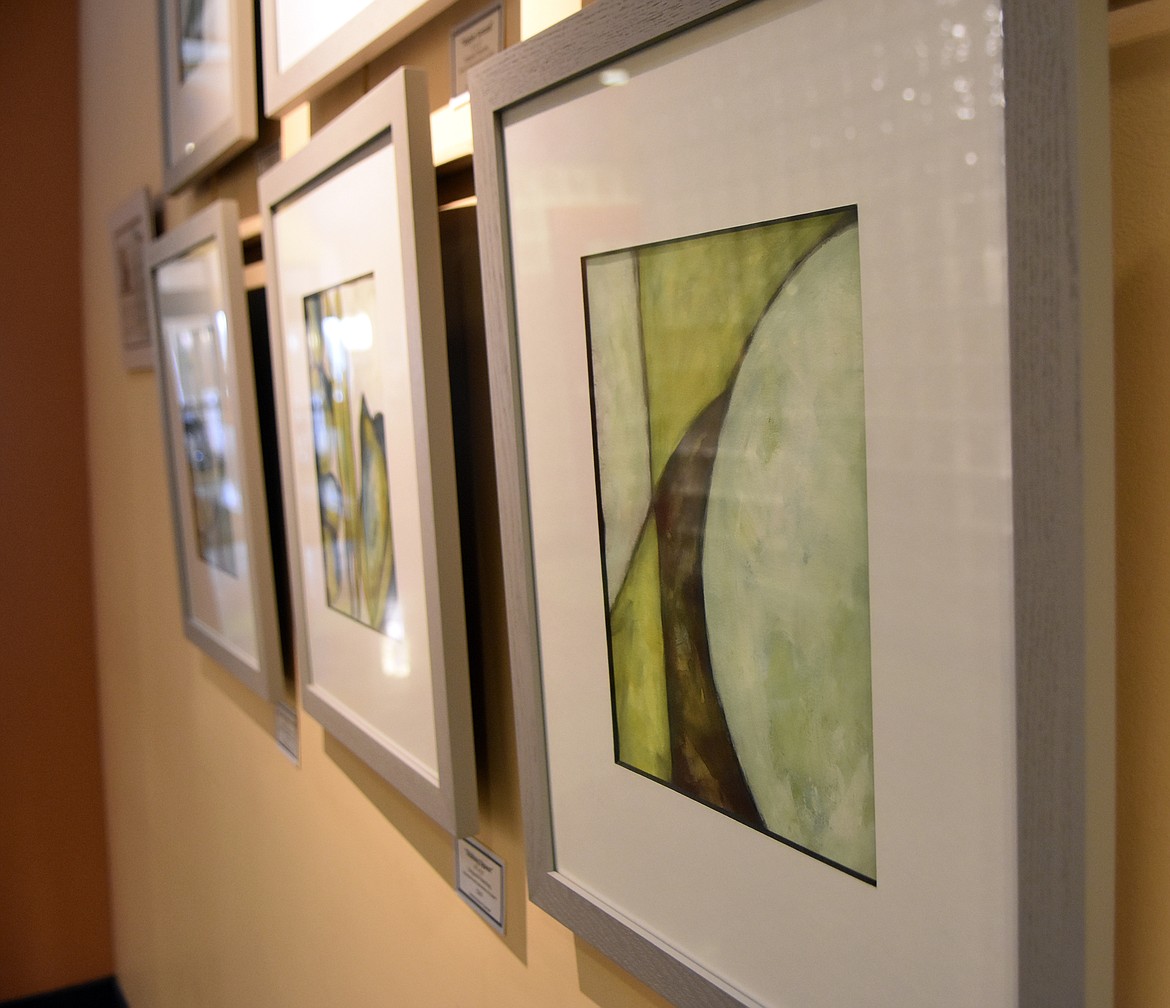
x=54, y=910
x=237, y=877
x=1140, y=70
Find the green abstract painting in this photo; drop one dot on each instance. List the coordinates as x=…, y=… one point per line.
x=729, y=425
x=349, y=439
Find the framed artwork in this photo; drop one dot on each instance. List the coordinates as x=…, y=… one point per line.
x=208, y=395
x=793, y=349
x=350, y=227
x=131, y=228
x=208, y=52
x=308, y=46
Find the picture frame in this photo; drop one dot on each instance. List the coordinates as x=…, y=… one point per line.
x=350, y=234
x=637, y=167
x=131, y=228
x=208, y=64
x=308, y=47
x=207, y=393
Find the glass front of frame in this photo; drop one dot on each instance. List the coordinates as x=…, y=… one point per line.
x=762, y=351
x=729, y=430
x=198, y=363
x=204, y=420
x=194, y=47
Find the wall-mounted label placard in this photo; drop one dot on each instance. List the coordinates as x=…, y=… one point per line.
x=473, y=42
x=479, y=876
x=288, y=736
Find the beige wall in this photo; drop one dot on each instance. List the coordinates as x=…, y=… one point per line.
x=54, y=913
x=239, y=879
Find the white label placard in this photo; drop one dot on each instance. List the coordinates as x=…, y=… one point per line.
x=288, y=735
x=473, y=42
x=480, y=881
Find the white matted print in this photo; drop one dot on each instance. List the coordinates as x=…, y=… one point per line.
x=359, y=357
x=862, y=657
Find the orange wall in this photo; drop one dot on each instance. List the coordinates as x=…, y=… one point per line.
x=1141, y=159
x=54, y=913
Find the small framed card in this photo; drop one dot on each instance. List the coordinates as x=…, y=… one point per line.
x=208, y=85
x=131, y=228
x=474, y=41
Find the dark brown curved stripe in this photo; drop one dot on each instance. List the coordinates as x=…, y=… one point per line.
x=704, y=763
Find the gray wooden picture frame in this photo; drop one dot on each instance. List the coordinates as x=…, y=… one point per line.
x=214, y=232
x=370, y=32
x=210, y=116
x=393, y=115
x=1056, y=182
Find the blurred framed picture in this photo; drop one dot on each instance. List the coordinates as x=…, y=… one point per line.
x=208, y=398
x=350, y=226
x=208, y=85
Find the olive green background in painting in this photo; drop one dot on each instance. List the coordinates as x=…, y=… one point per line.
x=698, y=303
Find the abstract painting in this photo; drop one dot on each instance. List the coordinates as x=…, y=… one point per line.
x=198, y=350
x=349, y=439
x=729, y=431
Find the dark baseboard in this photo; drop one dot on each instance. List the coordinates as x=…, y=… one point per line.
x=104, y=993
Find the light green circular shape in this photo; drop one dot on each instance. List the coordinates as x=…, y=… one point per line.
x=785, y=564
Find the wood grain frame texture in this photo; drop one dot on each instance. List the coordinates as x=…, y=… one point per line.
x=1061, y=386
x=225, y=131
x=219, y=224
x=398, y=107
x=369, y=33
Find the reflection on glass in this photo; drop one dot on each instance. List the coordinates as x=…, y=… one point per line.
x=198, y=351
x=192, y=37
x=349, y=440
